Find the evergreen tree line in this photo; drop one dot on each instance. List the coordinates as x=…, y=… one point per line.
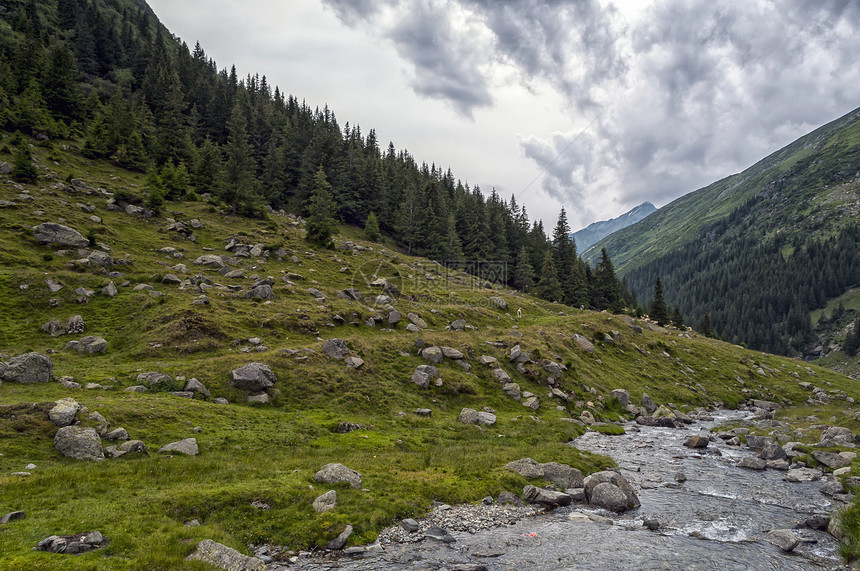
x=107, y=73
x=753, y=291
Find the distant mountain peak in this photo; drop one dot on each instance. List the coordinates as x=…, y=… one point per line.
x=596, y=231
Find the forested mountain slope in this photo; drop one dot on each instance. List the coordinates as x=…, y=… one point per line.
x=759, y=250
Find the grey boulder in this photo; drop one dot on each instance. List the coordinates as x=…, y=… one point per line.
x=338, y=474
x=28, y=369
x=64, y=412
x=79, y=443
x=544, y=497
x=53, y=233
x=615, y=479
x=188, y=447
x=325, y=502
x=335, y=348
x=89, y=345
x=224, y=557
x=253, y=377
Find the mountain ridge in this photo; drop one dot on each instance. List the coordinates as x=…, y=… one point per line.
x=596, y=231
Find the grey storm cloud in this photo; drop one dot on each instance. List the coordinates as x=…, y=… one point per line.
x=681, y=94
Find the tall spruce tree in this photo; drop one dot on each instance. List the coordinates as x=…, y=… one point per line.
x=564, y=250
x=371, y=228
x=659, y=310
x=321, y=223
x=524, y=273
x=549, y=287
x=705, y=327
x=240, y=190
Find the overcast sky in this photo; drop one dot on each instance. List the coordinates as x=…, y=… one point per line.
x=594, y=105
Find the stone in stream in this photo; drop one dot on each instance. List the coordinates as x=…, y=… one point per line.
x=752, y=463
x=544, y=497
x=785, y=539
x=439, y=534
x=697, y=441
x=631, y=500
x=224, y=557
x=831, y=460
x=802, y=475
x=772, y=451
x=409, y=525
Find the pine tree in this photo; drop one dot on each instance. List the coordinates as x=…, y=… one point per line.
x=453, y=246
x=371, y=228
x=659, y=310
x=678, y=318
x=564, y=251
x=524, y=273
x=549, y=287
x=852, y=340
x=23, y=169
x=240, y=191
x=321, y=223
x=606, y=293
x=705, y=327
x=60, y=83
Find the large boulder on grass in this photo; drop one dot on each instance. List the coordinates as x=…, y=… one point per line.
x=79, y=443
x=64, y=412
x=28, y=369
x=53, y=233
x=188, y=447
x=253, y=377
x=338, y=474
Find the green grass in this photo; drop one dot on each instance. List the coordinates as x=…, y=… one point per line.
x=270, y=452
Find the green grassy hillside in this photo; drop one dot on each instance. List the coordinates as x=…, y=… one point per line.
x=268, y=453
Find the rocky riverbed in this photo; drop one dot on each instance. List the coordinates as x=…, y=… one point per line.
x=699, y=510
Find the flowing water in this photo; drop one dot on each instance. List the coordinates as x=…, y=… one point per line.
x=716, y=519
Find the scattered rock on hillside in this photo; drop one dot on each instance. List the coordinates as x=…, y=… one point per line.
x=354, y=362
x=13, y=516
x=64, y=412
x=54, y=328
x=53, y=233
x=188, y=447
x=75, y=325
x=500, y=303
x=325, y=502
x=451, y=353
x=458, y=325
x=335, y=348
x=526, y=467
x=622, y=396
x=79, y=443
x=338, y=474
x=432, y=354
x=27, y=369
x=90, y=344
x=472, y=416
x=225, y=557
x=153, y=378
x=583, y=343
x=110, y=290
x=253, y=377
x=210, y=260
x=416, y=320
x=134, y=446
x=263, y=291
x=117, y=434
x=72, y=544
x=424, y=374
x=196, y=386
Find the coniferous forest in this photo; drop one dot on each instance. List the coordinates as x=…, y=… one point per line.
x=107, y=76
